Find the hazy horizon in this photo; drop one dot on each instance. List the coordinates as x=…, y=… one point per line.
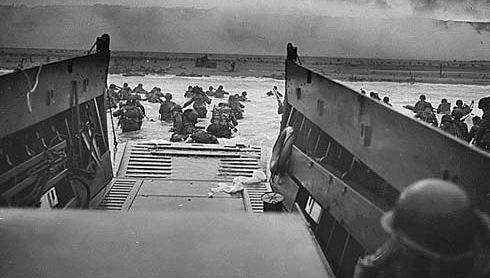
x=468, y=10
x=391, y=29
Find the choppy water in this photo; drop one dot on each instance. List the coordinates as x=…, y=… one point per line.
x=261, y=122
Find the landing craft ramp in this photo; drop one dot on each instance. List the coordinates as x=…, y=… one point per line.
x=158, y=175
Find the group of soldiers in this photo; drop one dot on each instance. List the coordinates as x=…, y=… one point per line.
x=372, y=94
x=453, y=120
x=224, y=117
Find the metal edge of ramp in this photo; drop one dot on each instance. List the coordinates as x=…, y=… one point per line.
x=252, y=197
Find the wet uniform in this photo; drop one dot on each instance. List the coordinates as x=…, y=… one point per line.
x=428, y=117
x=124, y=93
x=421, y=105
x=222, y=122
x=184, y=124
x=482, y=137
x=130, y=117
x=154, y=96
x=220, y=93
x=450, y=126
x=200, y=100
x=473, y=132
x=166, y=110
x=444, y=108
x=236, y=108
x=139, y=90
x=463, y=129
x=465, y=109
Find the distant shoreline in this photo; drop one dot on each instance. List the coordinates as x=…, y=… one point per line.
x=343, y=69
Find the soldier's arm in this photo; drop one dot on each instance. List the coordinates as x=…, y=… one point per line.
x=207, y=99
x=118, y=113
x=371, y=266
x=187, y=103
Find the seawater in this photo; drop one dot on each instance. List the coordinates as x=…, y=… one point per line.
x=260, y=125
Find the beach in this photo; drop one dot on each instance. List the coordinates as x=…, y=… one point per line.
x=132, y=63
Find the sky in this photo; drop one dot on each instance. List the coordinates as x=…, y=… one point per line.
x=346, y=28
x=472, y=10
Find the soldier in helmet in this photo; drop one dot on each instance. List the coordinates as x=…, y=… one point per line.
x=435, y=231
x=166, y=108
x=236, y=106
x=112, y=96
x=188, y=93
x=243, y=97
x=139, y=90
x=463, y=127
x=130, y=115
x=220, y=92
x=482, y=137
x=124, y=92
x=200, y=99
x=184, y=123
x=421, y=105
x=210, y=91
x=465, y=108
x=223, y=121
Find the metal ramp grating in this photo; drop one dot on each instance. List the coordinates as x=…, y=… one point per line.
x=119, y=195
x=143, y=164
x=254, y=194
x=234, y=167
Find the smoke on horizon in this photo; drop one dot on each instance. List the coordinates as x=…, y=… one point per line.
x=248, y=31
x=468, y=10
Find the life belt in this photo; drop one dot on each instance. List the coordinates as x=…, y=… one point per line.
x=282, y=151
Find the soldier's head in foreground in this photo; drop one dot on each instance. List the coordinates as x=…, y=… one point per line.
x=435, y=231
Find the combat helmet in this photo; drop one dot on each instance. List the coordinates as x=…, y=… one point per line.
x=457, y=113
x=434, y=217
x=484, y=103
x=168, y=96
x=176, y=108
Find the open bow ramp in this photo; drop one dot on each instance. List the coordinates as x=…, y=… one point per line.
x=157, y=175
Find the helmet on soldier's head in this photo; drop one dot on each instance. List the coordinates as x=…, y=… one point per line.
x=446, y=118
x=176, y=108
x=168, y=96
x=191, y=115
x=457, y=114
x=484, y=103
x=435, y=217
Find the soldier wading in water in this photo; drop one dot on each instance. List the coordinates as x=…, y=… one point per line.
x=130, y=115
